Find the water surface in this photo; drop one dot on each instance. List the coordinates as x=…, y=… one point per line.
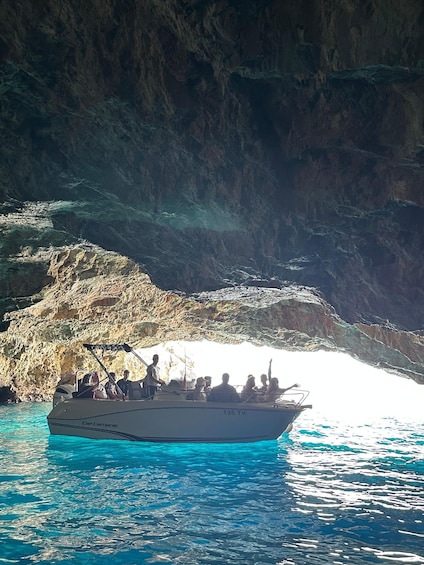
x=331, y=492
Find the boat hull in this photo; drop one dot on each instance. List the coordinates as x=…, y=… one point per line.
x=171, y=421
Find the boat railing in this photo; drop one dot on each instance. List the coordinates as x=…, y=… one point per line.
x=294, y=397
x=291, y=397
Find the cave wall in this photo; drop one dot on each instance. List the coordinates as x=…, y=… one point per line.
x=219, y=143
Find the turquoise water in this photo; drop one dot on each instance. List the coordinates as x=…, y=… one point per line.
x=329, y=493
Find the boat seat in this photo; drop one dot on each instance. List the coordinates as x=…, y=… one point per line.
x=135, y=392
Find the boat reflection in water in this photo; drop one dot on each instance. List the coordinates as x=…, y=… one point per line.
x=170, y=416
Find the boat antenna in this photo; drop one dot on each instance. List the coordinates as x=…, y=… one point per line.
x=185, y=370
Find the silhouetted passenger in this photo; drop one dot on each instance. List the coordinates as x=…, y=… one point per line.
x=249, y=392
x=208, y=385
x=224, y=392
x=264, y=384
x=198, y=392
x=274, y=391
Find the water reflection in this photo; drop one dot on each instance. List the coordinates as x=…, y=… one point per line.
x=363, y=484
x=180, y=500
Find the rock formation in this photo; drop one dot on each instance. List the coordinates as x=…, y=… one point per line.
x=241, y=169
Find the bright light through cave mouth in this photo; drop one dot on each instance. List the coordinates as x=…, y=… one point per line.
x=338, y=385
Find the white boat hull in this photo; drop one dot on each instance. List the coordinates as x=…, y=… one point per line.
x=171, y=421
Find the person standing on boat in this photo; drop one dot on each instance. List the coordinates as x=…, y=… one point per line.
x=152, y=379
x=224, y=392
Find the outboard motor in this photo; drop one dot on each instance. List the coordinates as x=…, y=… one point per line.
x=62, y=392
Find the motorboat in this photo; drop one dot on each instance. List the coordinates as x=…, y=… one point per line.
x=170, y=416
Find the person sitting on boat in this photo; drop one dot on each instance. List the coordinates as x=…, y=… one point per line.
x=123, y=383
x=111, y=388
x=152, y=380
x=264, y=384
x=85, y=390
x=274, y=391
x=99, y=391
x=249, y=392
x=224, y=392
x=198, y=392
x=208, y=385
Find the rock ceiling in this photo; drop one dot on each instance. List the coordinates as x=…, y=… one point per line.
x=234, y=169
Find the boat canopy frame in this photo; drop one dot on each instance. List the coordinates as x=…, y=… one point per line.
x=91, y=347
x=114, y=347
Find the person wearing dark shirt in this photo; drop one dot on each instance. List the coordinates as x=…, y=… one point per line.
x=123, y=383
x=224, y=392
x=85, y=389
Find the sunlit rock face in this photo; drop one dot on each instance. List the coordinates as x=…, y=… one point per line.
x=102, y=297
x=272, y=148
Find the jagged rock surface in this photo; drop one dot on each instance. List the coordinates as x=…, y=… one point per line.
x=102, y=297
x=228, y=143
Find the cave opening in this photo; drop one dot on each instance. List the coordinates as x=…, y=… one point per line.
x=340, y=387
